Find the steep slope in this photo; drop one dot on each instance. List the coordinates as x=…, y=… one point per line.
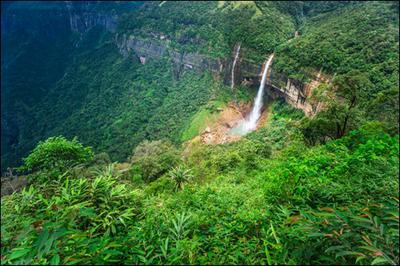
x=66, y=92
x=266, y=199
x=67, y=81
x=213, y=28
x=360, y=36
x=35, y=48
x=138, y=79
x=39, y=42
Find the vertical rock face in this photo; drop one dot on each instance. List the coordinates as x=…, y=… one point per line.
x=83, y=17
x=249, y=73
x=56, y=18
x=80, y=17
x=295, y=92
x=246, y=72
x=181, y=61
x=84, y=22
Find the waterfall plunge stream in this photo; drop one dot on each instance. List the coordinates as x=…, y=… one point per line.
x=250, y=122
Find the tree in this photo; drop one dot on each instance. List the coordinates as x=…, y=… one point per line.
x=101, y=158
x=341, y=110
x=386, y=100
x=349, y=89
x=154, y=158
x=57, y=153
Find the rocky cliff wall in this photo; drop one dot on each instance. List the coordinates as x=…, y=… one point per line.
x=55, y=18
x=246, y=72
x=151, y=48
x=295, y=92
x=34, y=24
x=83, y=17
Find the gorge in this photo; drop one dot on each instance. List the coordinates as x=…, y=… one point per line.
x=200, y=132
x=291, y=89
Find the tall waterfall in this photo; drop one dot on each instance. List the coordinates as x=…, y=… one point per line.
x=250, y=122
x=233, y=67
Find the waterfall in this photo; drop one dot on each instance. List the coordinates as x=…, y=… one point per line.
x=233, y=67
x=250, y=123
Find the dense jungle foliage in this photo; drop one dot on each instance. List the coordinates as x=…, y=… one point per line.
x=262, y=200
x=362, y=37
x=115, y=172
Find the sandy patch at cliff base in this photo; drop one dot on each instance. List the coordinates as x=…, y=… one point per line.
x=218, y=132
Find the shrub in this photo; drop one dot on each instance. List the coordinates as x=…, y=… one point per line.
x=367, y=234
x=101, y=158
x=57, y=153
x=226, y=160
x=68, y=220
x=180, y=175
x=154, y=158
x=162, y=184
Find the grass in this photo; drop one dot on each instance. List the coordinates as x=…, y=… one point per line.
x=200, y=120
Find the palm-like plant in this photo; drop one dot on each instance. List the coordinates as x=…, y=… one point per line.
x=106, y=171
x=180, y=175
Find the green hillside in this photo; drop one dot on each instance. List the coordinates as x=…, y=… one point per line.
x=362, y=37
x=103, y=156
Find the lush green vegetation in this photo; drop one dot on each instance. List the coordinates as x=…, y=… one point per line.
x=134, y=190
x=113, y=103
x=268, y=203
x=57, y=153
x=153, y=159
x=71, y=94
x=29, y=68
x=355, y=45
x=331, y=41
x=360, y=36
x=213, y=28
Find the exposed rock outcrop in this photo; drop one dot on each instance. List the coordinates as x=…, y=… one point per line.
x=219, y=131
x=295, y=92
x=246, y=72
x=152, y=48
x=83, y=17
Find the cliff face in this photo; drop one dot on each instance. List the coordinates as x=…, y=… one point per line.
x=152, y=48
x=246, y=72
x=295, y=93
x=81, y=17
x=38, y=41
x=51, y=19
x=84, y=17
x=34, y=23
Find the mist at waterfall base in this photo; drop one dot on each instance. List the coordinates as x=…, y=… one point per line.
x=250, y=122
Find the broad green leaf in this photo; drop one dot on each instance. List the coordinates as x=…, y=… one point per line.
x=380, y=260
x=18, y=253
x=55, y=260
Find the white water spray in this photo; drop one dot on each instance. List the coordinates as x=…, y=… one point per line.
x=233, y=67
x=250, y=123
